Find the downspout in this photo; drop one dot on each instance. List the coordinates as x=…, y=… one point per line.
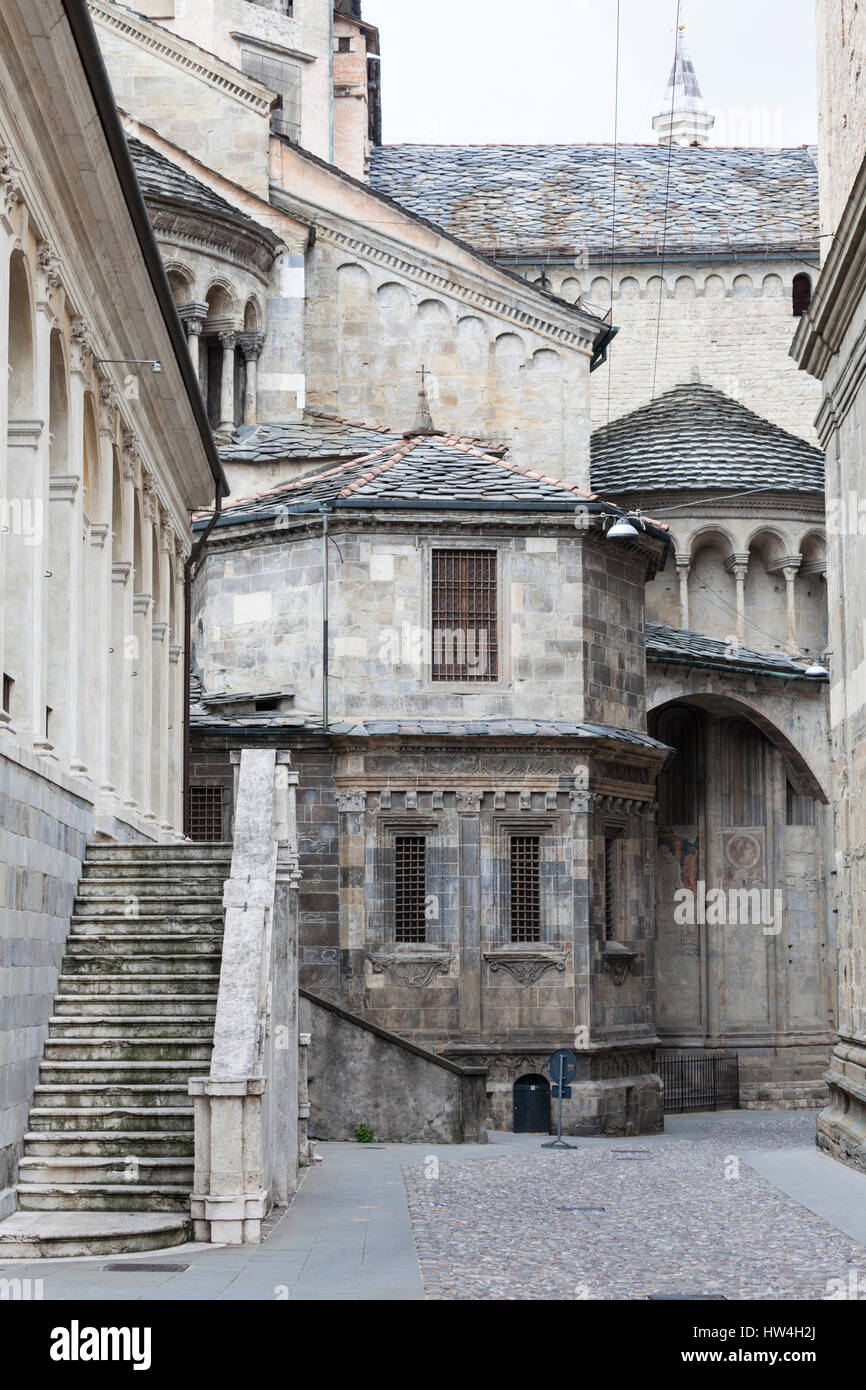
x=191, y=561
x=324, y=619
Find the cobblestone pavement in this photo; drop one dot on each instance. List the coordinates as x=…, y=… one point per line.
x=624, y=1219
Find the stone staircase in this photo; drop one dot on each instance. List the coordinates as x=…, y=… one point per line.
x=108, y=1159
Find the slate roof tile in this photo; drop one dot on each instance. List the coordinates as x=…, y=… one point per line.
x=558, y=198
x=679, y=646
x=695, y=437
x=160, y=178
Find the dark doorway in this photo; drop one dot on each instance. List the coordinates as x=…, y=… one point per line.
x=532, y=1104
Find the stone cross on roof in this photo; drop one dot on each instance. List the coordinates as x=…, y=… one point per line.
x=683, y=119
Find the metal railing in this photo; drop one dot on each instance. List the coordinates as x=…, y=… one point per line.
x=700, y=1081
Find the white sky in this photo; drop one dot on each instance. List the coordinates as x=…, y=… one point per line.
x=542, y=71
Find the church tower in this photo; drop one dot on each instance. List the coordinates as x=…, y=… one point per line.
x=683, y=119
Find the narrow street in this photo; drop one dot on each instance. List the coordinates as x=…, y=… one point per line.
x=610, y=1219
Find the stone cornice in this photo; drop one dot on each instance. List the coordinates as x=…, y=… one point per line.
x=207, y=231
x=575, y=330
x=183, y=54
x=840, y=288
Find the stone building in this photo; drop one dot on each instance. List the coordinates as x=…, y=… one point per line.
x=829, y=346
x=322, y=278
x=105, y=449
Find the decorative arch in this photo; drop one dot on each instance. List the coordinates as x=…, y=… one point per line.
x=254, y=317
x=58, y=407
x=22, y=341
x=181, y=281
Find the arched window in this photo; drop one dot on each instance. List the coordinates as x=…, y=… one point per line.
x=802, y=294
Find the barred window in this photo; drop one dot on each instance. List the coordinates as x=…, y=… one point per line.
x=464, y=617
x=525, y=854
x=610, y=904
x=205, y=813
x=410, y=887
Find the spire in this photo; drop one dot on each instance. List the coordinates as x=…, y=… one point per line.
x=683, y=119
x=423, y=419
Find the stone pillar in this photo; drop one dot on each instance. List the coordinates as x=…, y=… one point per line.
x=469, y=870
x=227, y=384
x=192, y=316
x=251, y=347
x=102, y=711
x=124, y=660
x=790, y=572
x=683, y=571
x=283, y=1109
x=582, y=811
x=78, y=663
x=9, y=198
x=353, y=847
x=304, y=1040
x=738, y=565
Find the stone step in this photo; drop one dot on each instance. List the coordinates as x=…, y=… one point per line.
x=37, y=1235
x=136, y=1169
x=103, y=1144
x=152, y=908
x=128, y=1005
x=126, y=944
x=157, y=872
x=162, y=854
x=111, y=1119
x=133, y=1049
x=120, y=1073
x=103, y=1197
x=156, y=929
x=106, y=1096
x=118, y=966
x=94, y=896
x=174, y=975
x=93, y=1027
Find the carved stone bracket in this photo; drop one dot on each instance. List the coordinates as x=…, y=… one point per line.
x=469, y=800
x=526, y=967
x=618, y=960
x=351, y=801
x=10, y=184
x=416, y=969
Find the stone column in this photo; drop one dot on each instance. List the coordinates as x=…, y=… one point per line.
x=304, y=1040
x=469, y=870
x=102, y=710
x=582, y=811
x=251, y=347
x=351, y=806
x=78, y=663
x=683, y=571
x=161, y=707
x=9, y=198
x=227, y=384
x=192, y=316
x=124, y=661
x=738, y=566
x=790, y=572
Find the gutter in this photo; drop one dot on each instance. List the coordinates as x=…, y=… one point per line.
x=87, y=44
x=661, y=659
x=188, y=569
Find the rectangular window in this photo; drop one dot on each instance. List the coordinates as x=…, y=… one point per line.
x=205, y=813
x=525, y=855
x=344, y=45
x=283, y=77
x=410, y=887
x=464, y=615
x=610, y=904
x=8, y=684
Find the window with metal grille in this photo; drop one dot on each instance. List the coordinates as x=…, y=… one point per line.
x=464, y=616
x=283, y=77
x=525, y=851
x=410, y=887
x=801, y=294
x=205, y=813
x=610, y=886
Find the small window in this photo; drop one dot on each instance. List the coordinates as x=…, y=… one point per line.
x=464, y=615
x=525, y=885
x=205, y=813
x=48, y=713
x=8, y=686
x=410, y=888
x=802, y=294
x=610, y=885
x=344, y=45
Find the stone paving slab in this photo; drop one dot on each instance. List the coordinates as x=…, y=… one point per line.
x=686, y=1215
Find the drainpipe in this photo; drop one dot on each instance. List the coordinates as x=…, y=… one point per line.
x=191, y=561
x=324, y=619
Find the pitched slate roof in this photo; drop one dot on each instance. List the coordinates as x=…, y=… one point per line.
x=695, y=437
x=557, y=199
x=312, y=440
x=160, y=178
x=412, y=472
x=680, y=647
